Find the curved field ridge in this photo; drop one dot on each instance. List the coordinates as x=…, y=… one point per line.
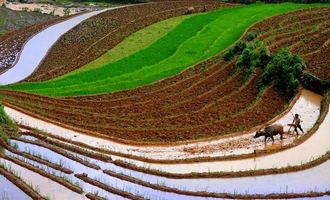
x=187, y=188
x=280, y=183
x=36, y=48
x=318, y=145
x=45, y=185
x=306, y=35
x=308, y=105
x=196, y=188
x=11, y=191
x=58, y=158
x=209, y=33
x=124, y=181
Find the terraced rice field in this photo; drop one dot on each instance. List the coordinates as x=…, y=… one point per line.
x=142, y=102
x=159, y=57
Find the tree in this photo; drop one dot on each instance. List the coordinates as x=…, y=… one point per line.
x=254, y=55
x=283, y=72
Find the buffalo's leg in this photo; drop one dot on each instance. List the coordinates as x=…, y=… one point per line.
x=281, y=136
x=273, y=139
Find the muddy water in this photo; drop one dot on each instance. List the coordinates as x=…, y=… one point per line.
x=33, y=52
x=314, y=179
x=46, y=187
x=281, y=183
x=307, y=105
x=96, y=174
x=317, y=181
x=296, y=182
x=65, y=162
x=317, y=145
x=29, y=137
x=10, y=191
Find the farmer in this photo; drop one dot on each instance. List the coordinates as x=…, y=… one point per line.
x=296, y=122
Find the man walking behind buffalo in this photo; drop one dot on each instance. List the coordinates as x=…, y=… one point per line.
x=296, y=122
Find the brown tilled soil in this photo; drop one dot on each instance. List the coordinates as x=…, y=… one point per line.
x=244, y=143
x=207, y=100
x=94, y=197
x=304, y=32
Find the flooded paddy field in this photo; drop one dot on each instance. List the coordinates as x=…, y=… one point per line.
x=11, y=191
x=294, y=182
x=177, y=117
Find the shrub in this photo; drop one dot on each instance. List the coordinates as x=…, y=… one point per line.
x=251, y=36
x=254, y=55
x=236, y=50
x=4, y=136
x=324, y=103
x=264, y=57
x=248, y=60
x=239, y=47
x=6, y=122
x=38, y=10
x=283, y=72
x=317, y=85
x=52, y=12
x=245, y=60
x=228, y=55
x=66, y=11
x=25, y=9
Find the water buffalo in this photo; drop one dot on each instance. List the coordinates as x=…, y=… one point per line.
x=270, y=131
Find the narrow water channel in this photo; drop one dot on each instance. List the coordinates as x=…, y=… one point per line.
x=280, y=183
x=37, y=47
x=10, y=191
x=46, y=186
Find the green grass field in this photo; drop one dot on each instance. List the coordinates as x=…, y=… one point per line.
x=190, y=41
x=134, y=43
